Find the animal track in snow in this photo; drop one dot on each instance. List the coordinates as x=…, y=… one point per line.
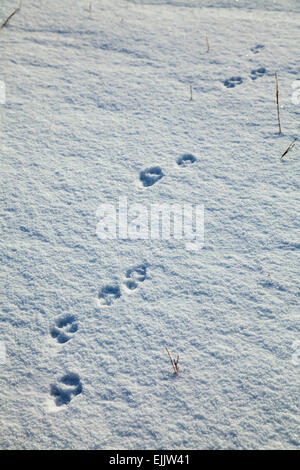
x=69, y=385
x=186, y=159
x=108, y=294
x=149, y=176
x=64, y=329
x=256, y=49
x=134, y=276
x=233, y=81
x=257, y=73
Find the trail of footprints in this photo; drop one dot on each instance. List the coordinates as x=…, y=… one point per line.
x=68, y=385
x=133, y=277
x=65, y=327
x=254, y=74
x=152, y=175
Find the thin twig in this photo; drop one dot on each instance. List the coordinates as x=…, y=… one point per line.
x=277, y=102
x=207, y=44
x=173, y=362
x=10, y=16
x=191, y=93
x=289, y=147
x=176, y=363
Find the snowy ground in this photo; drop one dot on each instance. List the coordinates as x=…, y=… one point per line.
x=93, y=98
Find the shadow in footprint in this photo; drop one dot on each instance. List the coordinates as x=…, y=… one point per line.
x=151, y=175
x=64, y=329
x=186, y=159
x=233, y=81
x=134, y=276
x=69, y=385
x=257, y=73
x=108, y=294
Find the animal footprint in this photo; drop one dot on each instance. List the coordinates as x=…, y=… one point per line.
x=186, y=159
x=257, y=73
x=256, y=49
x=233, y=81
x=108, y=294
x=69, y=385
x=134, y=276
x=64, y=329
x=151, y=175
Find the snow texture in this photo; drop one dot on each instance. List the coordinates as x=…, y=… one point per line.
x=94, y=100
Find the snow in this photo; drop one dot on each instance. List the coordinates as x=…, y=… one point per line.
x=94, y=98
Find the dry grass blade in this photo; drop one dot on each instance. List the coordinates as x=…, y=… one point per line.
x=10, y=16
x=174, y=362
x=289, y=148
x=277, y=102
x=207, y=44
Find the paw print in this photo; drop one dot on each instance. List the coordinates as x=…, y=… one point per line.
x=233, y=81
x=69, y=385
x=108, y=294
x=64, y=329
x=186, y=159
x=151, y=175
x=134, y=276
x=256, y=49
x=257, y=73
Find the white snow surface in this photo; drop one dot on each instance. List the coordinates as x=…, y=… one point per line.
x=93, y=98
